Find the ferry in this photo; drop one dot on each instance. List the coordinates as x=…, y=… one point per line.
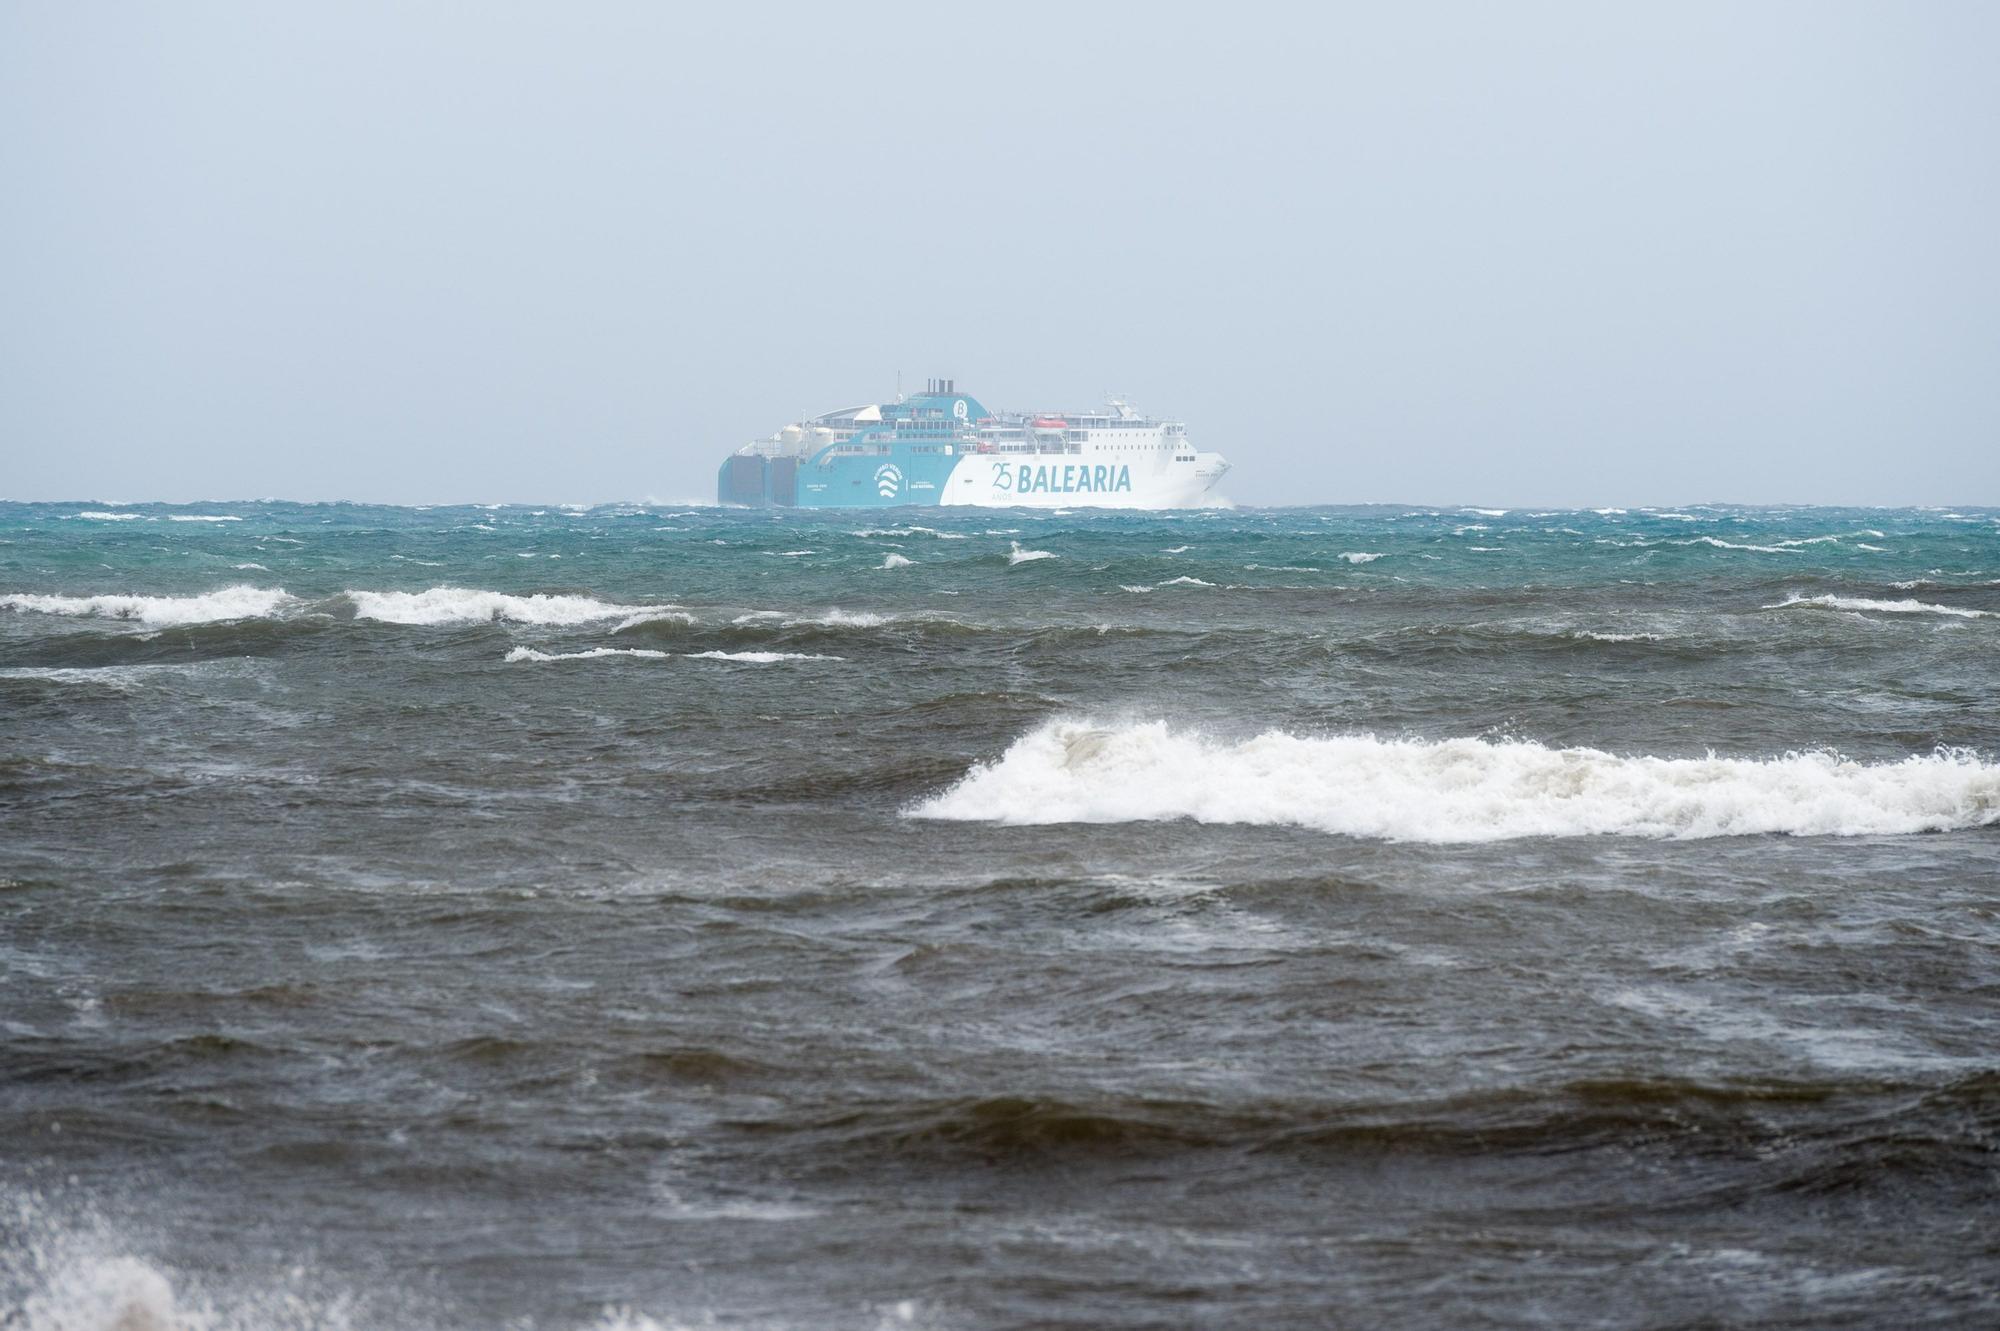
x=942, y=446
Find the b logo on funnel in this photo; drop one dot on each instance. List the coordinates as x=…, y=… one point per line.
x=888, y=480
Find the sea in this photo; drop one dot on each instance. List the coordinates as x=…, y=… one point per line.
x=652, y=916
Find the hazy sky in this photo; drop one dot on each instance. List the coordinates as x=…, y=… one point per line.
x=1503, y=253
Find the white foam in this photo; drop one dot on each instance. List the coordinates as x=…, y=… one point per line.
x=247, y=568
x=1359, y=556
x=1019, y=556
x=911, y=531
x=1732, y=545
x=203, y=517
x=1461, y=790
x=1176, y=550
x=238, y=602
x=1903, y=607
x=468, y=605
x=760, y=658
x=896, y=561
x=118, y=678
x=839, y=619
x=530, y=654
x=96, y=515
x=1184, y=581
x=660, y=616
x=1486, y=512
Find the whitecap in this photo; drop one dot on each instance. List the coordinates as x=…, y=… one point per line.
x=530, y=654
x=467, y=605
x=1359, y=556
x=203, y=517
x=1903, y=607
x=1019, y=556
x=1183, y=581
x=250, y=568
x=96, y=515
x=238, y=602
x=841, y=619
x=1485, y=512
x=897, y=561
x=760, y=658
x=1459, y=790
x=911, y=531
x=659, y=616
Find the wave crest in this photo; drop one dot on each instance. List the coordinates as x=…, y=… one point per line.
x=1461, y=790
x=238, y=602
x=1016, y=555
x=468, y=605
x=1906, y=606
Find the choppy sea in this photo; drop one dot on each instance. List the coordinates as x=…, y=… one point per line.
x=652, y=917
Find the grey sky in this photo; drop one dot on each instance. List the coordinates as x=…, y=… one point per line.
x=1519, y=253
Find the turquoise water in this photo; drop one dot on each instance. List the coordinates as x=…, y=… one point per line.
x=641, y=915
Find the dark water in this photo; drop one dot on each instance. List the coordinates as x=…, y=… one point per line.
x=1557, y=919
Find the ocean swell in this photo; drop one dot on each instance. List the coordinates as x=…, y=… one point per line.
x=1460, y=790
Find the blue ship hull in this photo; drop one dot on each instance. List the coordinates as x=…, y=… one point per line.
x=892, y=477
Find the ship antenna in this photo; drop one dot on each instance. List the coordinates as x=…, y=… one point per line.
x=899, y=385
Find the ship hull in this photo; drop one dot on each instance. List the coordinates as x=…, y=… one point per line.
x=904, y=477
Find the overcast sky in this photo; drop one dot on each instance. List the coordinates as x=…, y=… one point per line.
x=1502, y=253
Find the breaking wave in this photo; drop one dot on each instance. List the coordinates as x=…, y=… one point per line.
x=1359, y=556
x=238, y=602
x=465, y=605
x=760, y=658
x=1460, y=790
x=95, y=515
x=1019, y=556
x=911, y=531
x=1907, y=606
x=653, y=654
x=893, y=560
x=64, y=1274
x=530, y=654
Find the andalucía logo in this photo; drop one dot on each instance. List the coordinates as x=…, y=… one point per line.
x=888, y=480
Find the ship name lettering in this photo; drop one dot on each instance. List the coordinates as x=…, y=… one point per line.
x=1071, y=479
